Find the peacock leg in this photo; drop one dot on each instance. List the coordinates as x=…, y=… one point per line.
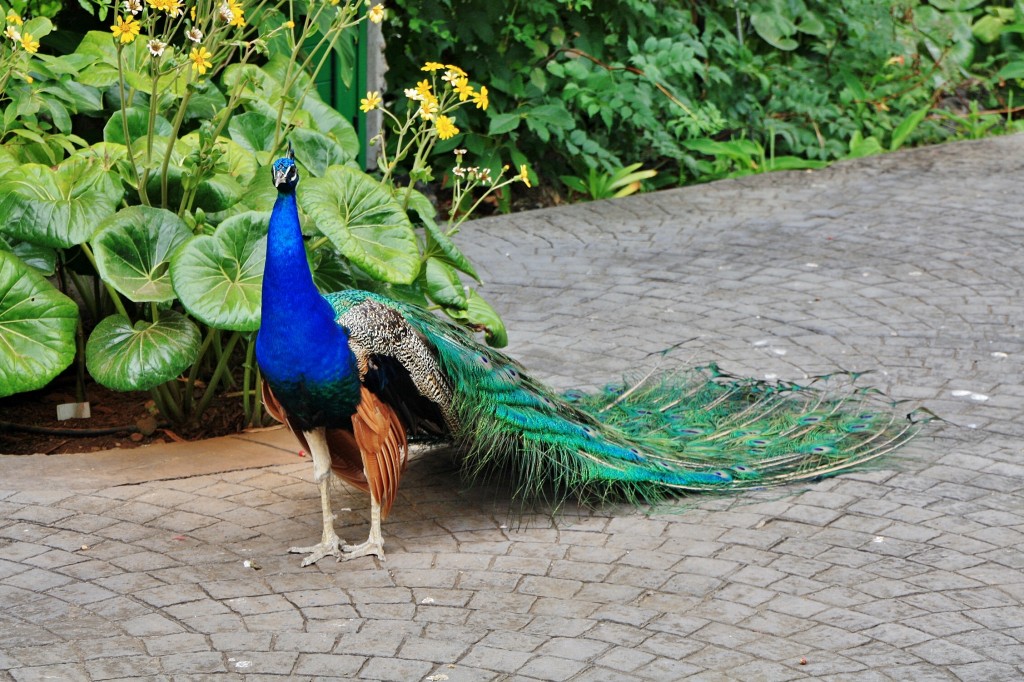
x=375, y=543
x=330, y=542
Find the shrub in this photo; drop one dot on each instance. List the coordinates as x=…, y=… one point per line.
x=599, y=84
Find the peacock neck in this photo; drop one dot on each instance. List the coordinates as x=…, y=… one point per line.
x=300, y=347
x=287, y=280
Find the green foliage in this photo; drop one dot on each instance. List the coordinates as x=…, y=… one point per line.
x=780, y=83
x=604, y=185
x=134, y=166
x=37, y=327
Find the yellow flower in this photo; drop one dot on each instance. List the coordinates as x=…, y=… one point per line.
x=13, y=33
x=524, y=176
x=457, y=70
x=432, y=66
x=29, y=79
x=239, y=12
x=334, y=2
x=370, y=102
x=29, y=43
x=423, y=89
x=480, y=98
x=463, y=88
x=376, y=14
x=172, y=7
x=200, y=57
x=289, y=24
x=13, y=18
x=125, y=30
x=446, y=128
x=428, y=108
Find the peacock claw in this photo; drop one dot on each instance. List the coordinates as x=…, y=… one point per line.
x=365, y=549
x=330, y=547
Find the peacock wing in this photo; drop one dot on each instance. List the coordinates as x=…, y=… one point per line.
x=380, y=438
x=397, y=362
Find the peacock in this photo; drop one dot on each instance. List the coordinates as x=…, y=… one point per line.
x=355, y=375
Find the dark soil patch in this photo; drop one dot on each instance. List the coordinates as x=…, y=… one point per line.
x=29, y=424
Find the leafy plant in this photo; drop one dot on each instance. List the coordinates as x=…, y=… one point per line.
x=604, y=185
x=604, y=83
x=156, y=212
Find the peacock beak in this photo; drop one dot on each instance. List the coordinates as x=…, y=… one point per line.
x=280, y=176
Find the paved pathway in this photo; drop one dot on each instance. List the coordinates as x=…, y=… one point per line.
x=124, y=566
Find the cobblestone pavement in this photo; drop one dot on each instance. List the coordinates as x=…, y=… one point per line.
x=909, y=264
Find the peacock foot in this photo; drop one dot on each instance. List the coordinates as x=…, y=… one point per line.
x=373, y=547
x=331, y=546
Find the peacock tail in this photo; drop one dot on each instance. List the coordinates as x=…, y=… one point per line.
x=695, y=430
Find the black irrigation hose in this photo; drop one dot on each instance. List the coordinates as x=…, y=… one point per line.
x=67, y=432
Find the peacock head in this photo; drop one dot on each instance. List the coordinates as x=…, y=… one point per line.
x=284, y=172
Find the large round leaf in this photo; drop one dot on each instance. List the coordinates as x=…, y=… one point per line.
x=133, y=250
x=37, y=328
x=253, y=131
x=42, y=258
x=58, y=208
x=138, y=125
x=481, y=316
x=443, y=285
x=136, y=358
x=213, y=194
x=218, y=277
x=364, y=222
x=317, y=151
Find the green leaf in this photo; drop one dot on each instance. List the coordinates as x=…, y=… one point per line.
x=218, y=277
x=775, y=29
x=316, y=151
x=42, y=258
x=37, y=328
x=553, y=115
x=58, y=208
x=330, y=272
x=860, y=146
x=438, y=243
x=364, y=222
x=133, y=249
x=988, y=28
x=253, y=131
x=907, y=126
x=136, y=358
x=443, y=286
x=481, y=316
x=956, y=5
x=138, y=125
x=1012, y=70
x=793, y=163
x=213, y=194
x=503, y=123
x=811, y=24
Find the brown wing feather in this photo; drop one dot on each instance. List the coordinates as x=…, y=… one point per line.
x=382, y=442
x=346, y=461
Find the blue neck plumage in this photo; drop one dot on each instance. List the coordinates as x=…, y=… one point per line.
x=299, y=343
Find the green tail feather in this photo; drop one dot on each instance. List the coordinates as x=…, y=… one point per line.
x=698, y=430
